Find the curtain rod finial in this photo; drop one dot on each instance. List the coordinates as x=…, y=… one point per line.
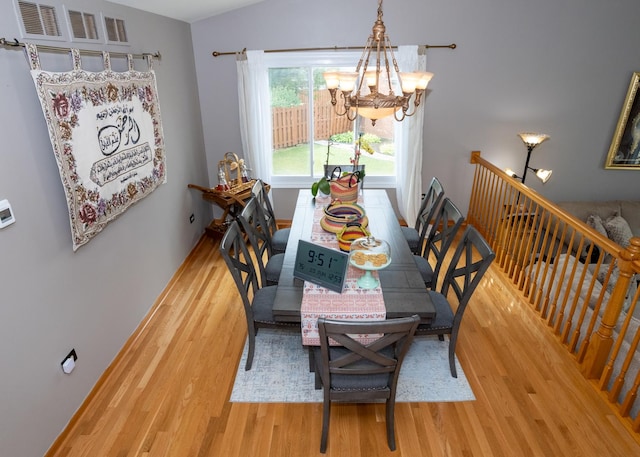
x=14, y=43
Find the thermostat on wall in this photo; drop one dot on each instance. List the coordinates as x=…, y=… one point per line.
x=6, y=214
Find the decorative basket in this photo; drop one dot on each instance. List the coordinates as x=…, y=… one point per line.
x=343, y=212
x=345, y=188
x=351, y=231
x=337, y=214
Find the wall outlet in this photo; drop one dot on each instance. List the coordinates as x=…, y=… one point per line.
x=69, y=362
x=192, y=218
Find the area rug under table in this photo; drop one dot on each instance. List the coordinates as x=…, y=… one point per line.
x=280, y=373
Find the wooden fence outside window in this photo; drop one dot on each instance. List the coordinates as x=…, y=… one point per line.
x=291, y=124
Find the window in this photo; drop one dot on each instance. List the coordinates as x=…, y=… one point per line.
x=306, y=131
x=115, y=30
x=83, y=26
x=38, y=21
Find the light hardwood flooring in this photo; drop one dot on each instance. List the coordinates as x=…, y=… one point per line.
x=167, y=394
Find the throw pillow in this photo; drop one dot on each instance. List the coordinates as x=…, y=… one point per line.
x=618, y=230
x=595, y=222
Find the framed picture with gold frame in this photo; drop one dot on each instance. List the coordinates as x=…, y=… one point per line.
x=624, y=152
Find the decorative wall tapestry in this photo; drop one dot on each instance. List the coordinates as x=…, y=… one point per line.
x=106, y=134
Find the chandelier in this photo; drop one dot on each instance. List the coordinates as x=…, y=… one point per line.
x=373, y=97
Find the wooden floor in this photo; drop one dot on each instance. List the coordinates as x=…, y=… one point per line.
x=167, y=394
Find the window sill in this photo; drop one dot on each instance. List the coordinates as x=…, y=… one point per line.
x=290, y=182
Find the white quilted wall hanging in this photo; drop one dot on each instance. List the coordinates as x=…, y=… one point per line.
x=106, y=133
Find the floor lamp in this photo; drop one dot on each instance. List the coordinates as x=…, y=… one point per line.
x=531, y=140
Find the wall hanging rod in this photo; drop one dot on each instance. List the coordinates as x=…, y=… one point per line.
x=334, y=48
x=16, y=44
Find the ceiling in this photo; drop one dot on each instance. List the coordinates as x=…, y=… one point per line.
x=187, y=10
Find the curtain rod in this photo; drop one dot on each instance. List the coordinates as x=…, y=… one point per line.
x=334, y=48
x=16, y=44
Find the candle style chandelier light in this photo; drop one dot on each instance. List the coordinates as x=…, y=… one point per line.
x=378, y=101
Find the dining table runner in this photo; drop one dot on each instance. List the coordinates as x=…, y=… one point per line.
x=354, y=303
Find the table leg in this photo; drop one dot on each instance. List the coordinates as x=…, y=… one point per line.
x=312, y=360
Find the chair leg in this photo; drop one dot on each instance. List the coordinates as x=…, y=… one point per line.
x=326, y=412
x=391, y=434
x=452, y=354
x=252, y=346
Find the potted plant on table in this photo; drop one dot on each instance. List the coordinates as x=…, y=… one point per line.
x=322, y=185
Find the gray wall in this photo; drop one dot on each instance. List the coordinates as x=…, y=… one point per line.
x=53, y=299
x=561, y=67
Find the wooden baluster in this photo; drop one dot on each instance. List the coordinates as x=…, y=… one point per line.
x=627, y=403
x=601, y=341
x=632, y=393
x=581, y=353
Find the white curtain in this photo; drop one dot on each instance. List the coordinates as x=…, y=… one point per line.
x=253, y=96
x=408, y=134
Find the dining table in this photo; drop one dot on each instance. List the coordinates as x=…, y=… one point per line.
x=402, y=288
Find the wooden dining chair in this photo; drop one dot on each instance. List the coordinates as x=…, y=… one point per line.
x=447, y=223
x=253, y=222
x=279, y=237
x=469, y=262
x=416, y=235
x=257, y=301
x=357, y=372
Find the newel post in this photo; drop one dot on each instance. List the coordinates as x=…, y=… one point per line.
x=475, y=189
x=601, y=341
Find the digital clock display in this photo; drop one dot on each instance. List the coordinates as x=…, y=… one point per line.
x=321, y=265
